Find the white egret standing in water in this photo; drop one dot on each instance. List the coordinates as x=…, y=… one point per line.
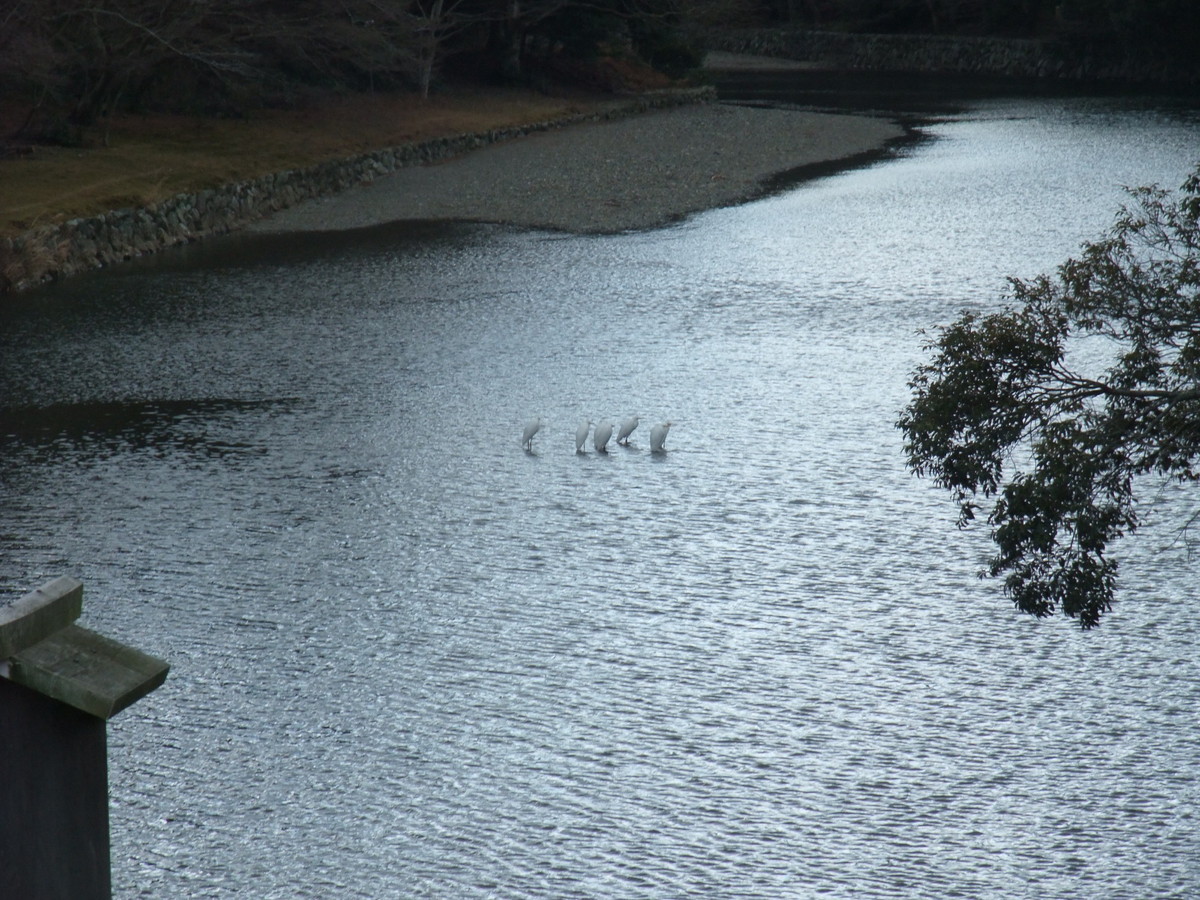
x=581, y=434
x=658, y=436
x=532, y=427
x=601, y=436
x=626, y=430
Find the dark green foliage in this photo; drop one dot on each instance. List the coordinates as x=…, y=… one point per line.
x=1136, y=21
x=1049, y=413
x=1006, y=17
x=581, y=32
x=1165, y=31
x=665, y=48
x=1112, y=26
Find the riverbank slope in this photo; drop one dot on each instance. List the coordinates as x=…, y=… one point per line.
x=622, y=163
x=636, y=172
x=149, y=158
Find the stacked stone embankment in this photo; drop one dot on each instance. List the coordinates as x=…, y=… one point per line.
x=56, y=251
x=1012, y=58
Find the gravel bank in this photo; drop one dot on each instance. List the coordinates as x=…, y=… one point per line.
x=638, y=172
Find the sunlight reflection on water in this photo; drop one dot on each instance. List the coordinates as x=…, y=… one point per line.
x=411, y=659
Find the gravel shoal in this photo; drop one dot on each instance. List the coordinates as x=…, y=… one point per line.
x=637, y=172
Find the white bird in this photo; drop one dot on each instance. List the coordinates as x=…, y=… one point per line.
x=581, y=434
x=626, y=430
x=532, y=427
x=602, y=435
x=658, y=436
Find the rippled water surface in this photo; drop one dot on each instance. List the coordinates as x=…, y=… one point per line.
x=410, y=659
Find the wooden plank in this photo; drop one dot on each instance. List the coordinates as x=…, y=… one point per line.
x=39, y=614
x=88, y=671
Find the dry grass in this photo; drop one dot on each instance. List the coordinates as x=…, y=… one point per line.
x=150, y=158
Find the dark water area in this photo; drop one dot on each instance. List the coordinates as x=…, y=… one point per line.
x=412, y=659
x=915, y=94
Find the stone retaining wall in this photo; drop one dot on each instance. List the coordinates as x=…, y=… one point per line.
x=1042, y=59
x=57, y=251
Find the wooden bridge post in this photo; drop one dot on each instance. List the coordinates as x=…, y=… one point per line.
x=59, y=685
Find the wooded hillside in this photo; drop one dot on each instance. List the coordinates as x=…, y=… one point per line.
x=71, y=64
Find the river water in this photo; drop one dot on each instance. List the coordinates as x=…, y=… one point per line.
x=412, y=660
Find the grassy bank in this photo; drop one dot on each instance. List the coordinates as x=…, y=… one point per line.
x=150, y=158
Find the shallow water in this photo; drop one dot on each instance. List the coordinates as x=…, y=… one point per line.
x=410, y=659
